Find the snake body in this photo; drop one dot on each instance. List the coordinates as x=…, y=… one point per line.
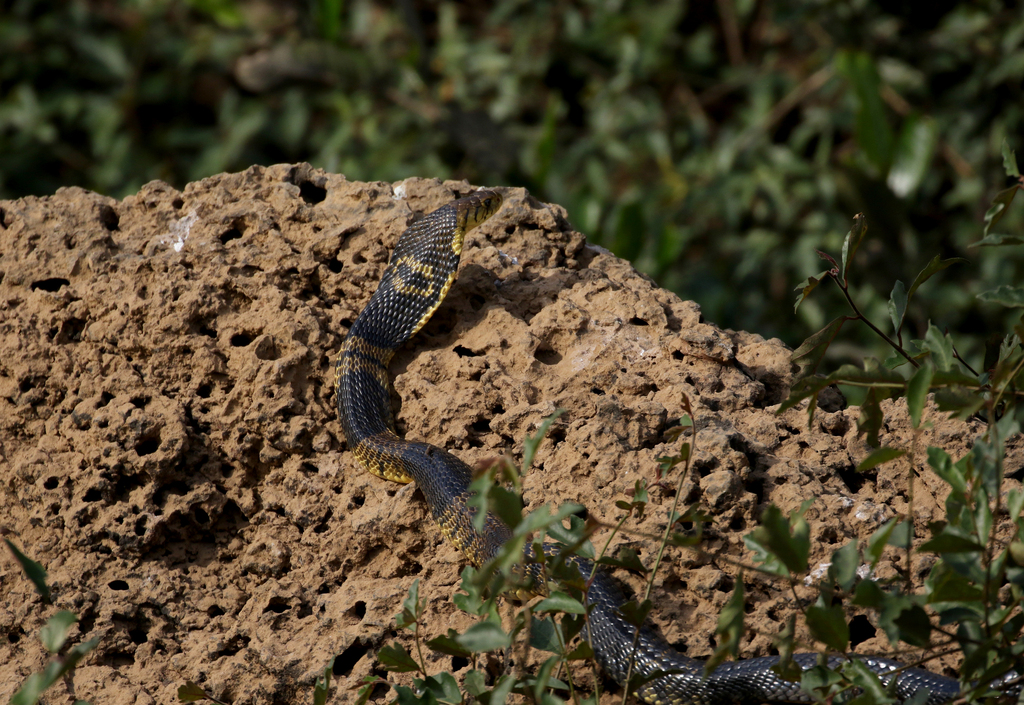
x=416, y=280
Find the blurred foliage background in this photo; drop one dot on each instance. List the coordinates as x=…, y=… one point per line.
x=715, y=144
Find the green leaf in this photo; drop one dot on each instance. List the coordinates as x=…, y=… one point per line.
x=997, y=239
x=533, y=442
x=882, y=455
x=787, y=539
x=55, y=670
x=917, y=392
x=874, y=134
x=366, y=690
x=190, y=693
x=812, y=350
x=914, y=149
x=412, y=607
x=845, y=562
x=1009, y=296
x=476, y=683
x=447, y=644
x=998, y=208
x=1009, y=160
x=852, y=242
x=35, y=572
x=828, y=625
x=224, y=12
x=560, y=602
x=897, y=306
x=322, y=687
x=730, y=620
x=944, y=467
x=484, y=636
x=871, y=417
x=807, y=286
x=940, y=345
x=544, y=635
x=914, y=626
x=878, y=541
x=866, y=680
x=55, y=633
x=931, y=269
x=951, y=543
x=443, y=687
x=32, y=689
x=627, y=559
x=819, y=680
x=396, y=658
x=949, y=586
x=635, y=614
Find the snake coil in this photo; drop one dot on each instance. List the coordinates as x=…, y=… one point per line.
x=416, y=280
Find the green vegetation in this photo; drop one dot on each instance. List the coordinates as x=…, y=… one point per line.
x=716, y=145
x=971, y=602
x=713, y=144
x=53, y=635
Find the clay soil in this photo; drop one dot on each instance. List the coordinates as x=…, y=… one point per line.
x=170, y=449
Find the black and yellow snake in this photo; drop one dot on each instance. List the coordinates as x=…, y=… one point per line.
x=416, y=280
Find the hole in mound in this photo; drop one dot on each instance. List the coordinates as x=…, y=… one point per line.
x=458, y=663
x=358, y=610
x=636, y=321
x=70, y=331
x=481, y=426
x=117, y=585
x=465, y=352
x=358, y=500
x=277, y=605
x=324, y=525
x=234, y=646
x=546, y=355
x=176, y=488
x=51, y=483
x=51, y=285
x=311, y=193
x=214, y=611
x=204, y=391
x=861, y=630
x=140, y=526
x=109, y=218
x=232, y=233
x=852, y=479
x=201, y=516
x=93, y=494
x=138, y=635
x=348, y=658
x=147, y=446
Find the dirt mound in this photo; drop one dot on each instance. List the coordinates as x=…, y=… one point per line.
x=170, y=450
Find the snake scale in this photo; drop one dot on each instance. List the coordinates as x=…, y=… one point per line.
x=416, y=280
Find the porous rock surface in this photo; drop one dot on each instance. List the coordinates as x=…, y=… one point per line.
x=170, y=449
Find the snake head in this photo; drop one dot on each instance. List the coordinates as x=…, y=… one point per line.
x=477, y=207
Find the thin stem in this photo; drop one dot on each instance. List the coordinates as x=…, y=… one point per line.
x=871, y=325
x=419, y=648
x=664, y=541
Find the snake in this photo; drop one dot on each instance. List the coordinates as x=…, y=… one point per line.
x=416, y=280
